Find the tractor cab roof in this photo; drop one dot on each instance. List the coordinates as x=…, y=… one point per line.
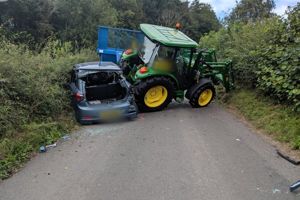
x=168, y=36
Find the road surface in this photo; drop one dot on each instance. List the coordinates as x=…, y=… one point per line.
x=178, y=154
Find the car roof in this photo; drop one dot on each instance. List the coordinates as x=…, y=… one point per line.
x=167, y=36
x=98, y=66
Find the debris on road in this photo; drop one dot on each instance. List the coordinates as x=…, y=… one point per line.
x=295, y=186
x=66, y=137
x=44, y=149
x=51, y=146
x=276, y=191
x=288, y=158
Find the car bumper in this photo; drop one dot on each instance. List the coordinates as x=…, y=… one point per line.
x=87, y=114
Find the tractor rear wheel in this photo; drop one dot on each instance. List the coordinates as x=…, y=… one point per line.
x=154, y=94
x=203, y=96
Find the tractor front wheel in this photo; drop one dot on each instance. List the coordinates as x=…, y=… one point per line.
x=154, y=94
x=203, y=96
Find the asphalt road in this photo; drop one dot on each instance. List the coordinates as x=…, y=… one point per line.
x=178, y=154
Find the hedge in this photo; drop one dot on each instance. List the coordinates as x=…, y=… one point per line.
x=266, y=55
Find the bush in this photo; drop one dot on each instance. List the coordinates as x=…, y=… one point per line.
x=31, y=85
x=265, y=55
x=34, y=105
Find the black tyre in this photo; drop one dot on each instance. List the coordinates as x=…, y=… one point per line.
x=154, y=94
x=203, y=96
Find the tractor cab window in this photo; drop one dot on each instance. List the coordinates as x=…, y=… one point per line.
x=183, y=58
x=147, y=50
x=166, y=53
x=165, y=59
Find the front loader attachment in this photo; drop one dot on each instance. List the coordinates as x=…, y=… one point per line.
x=218, y=72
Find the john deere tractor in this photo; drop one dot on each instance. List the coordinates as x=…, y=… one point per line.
x=168, y=65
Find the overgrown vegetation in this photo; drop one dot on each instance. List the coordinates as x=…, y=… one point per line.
x=265, y=55
x=265, y=51
x=33, y=100
x=279, y=121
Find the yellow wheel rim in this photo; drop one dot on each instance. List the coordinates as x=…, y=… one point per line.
x=205, y=97
x=156, y=96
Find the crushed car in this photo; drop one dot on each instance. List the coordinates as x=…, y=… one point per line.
x=101, y=93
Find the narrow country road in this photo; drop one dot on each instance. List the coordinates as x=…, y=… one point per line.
x=178, y=154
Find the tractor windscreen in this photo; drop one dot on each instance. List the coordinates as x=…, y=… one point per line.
x=147, y=49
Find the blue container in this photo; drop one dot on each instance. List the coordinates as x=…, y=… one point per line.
x=113, y=41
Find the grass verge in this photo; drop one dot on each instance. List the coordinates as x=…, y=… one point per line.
x=17, y=148
x=278, y=121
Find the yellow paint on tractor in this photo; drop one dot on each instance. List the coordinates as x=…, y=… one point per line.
x=205, y=97
x=156, y=96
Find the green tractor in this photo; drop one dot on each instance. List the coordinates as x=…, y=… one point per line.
x=169, y=65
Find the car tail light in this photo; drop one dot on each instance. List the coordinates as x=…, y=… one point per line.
x=143, y=70
x=87, y=117
x=78, y=96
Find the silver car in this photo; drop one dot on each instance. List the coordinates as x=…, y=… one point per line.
x=101, y=93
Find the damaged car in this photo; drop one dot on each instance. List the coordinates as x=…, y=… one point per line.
x=101, y=93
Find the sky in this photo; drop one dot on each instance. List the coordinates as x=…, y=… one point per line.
x=222, y=7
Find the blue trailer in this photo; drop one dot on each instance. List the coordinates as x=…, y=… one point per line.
x=113, y=41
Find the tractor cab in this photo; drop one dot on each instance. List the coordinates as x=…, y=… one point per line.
x=164, y=51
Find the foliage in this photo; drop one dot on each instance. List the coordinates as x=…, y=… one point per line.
x=202, y=19
x=29, y=19
x=278, y=121
x=31, y=84
x=128, y=13
x=33, y=98
x=251, y=10
x=76, y=21
x=265, y=55
x=278, y=71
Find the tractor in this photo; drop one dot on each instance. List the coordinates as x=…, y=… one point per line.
x=164, y=64
x=169, y=65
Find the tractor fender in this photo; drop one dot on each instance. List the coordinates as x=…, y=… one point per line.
x=194, y=88
x=139, y=76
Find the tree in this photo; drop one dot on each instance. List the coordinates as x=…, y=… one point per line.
x=27, y=16
x=34, y=21
x=196, y=18
x=77, y=20
x=129, y=14
x=202, y=19
x=251, y=10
